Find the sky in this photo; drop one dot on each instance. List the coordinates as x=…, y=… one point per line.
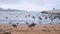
x=30, y=5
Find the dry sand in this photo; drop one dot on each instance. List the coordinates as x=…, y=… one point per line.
x=37, y=29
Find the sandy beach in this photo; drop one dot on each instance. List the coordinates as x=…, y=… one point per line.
x=25, y=29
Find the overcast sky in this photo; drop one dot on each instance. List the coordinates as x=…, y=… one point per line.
x=30, y=5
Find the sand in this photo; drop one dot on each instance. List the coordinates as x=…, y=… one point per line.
x=24, y=29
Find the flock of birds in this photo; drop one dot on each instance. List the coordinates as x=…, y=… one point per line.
x=50, y=16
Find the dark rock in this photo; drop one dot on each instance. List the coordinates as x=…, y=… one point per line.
x=32, y=25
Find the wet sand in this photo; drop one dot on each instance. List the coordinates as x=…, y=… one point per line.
x=37, y=29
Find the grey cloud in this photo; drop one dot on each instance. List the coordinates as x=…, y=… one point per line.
x=9, y=1
x=45, y=4
x=37, y=2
